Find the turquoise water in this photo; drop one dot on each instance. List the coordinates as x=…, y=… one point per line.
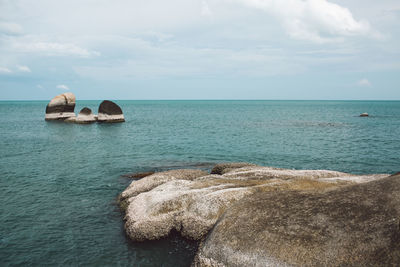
x=59, y=182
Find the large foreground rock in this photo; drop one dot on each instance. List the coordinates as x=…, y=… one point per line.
x=110, y=112
x=263, y=216
x=86, y=116
x=61, y=107
x=356, y=225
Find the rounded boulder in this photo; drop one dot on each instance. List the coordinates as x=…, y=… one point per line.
x=86, y=116
x=61, y=107
x=110, y=112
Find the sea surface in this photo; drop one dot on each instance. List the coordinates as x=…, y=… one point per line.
x=59, y=182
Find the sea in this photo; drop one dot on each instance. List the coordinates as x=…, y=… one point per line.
x=59, y=182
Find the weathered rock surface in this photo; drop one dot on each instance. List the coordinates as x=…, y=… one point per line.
x=61, y=107
x=355, y=225
x=258, y=205
x=110, y=112
x=86, y=116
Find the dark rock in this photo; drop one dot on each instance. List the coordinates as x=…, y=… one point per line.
x=364, y=115
x=86, y=116
x=223, y=168
x=356, y=225
x=137, y=175
x=110, y=112
x=61, y=107
x=85, y=111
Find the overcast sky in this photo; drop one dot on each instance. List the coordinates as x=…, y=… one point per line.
x=200, y=49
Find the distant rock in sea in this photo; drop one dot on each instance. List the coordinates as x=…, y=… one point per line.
x=86, y=116
x=364, y=115
x=248, y=215
x=61, y=107
x=110, y=112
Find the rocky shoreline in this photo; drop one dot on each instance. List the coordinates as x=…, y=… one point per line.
x=248, y=215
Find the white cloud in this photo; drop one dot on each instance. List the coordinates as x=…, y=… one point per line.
x=63, y=87
x=364, y=83
x=10, y=28
x=314, y=20
x=23, y=68
x=54, y=49
x=5, y=70
x=205, y=9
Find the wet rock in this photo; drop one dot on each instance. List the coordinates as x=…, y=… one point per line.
x=110, y=112
x=355, y=225
x=364, y=115
x=86, y=116
x=61, y=107
x=192, y=201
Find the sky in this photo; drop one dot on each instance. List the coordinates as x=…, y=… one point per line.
x=200, y=49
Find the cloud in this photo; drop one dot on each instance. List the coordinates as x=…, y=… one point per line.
x=5, y=70
x=205, y=9
x=23, y=69
x=63, y=87
x=54, y=49
x=364, y=83
x=10, y=28
x=313, y=20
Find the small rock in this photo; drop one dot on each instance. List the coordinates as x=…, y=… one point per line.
x=364, y=115
x=110, y=112
x=86, y=116
x=61, y=107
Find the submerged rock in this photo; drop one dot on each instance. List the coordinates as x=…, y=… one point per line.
x=110, y=112
x=364, y=115
x=61, y=107
x=86, y=116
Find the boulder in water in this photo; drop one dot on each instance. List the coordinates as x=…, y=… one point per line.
x=364, y=115
x=110, y=112
x=86, y=116
x=61, y=107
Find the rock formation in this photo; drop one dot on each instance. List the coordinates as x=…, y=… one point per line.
x=110, y=112
x=364, y=115
x=86, y=116
x=61, y=107
x=260, y=216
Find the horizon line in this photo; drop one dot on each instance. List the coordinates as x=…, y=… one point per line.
x=3, y=100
